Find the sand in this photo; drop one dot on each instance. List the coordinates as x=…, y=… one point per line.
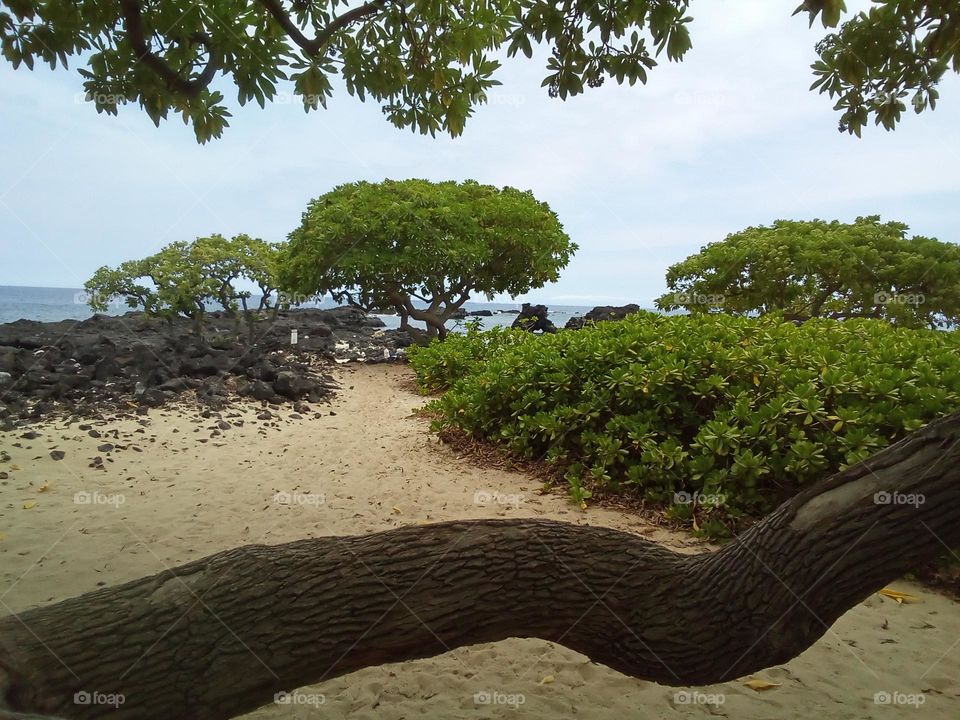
x=367, y=464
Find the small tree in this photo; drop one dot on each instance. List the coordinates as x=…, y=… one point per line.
x=823, y=269
x=422, y=248
x=182, y=278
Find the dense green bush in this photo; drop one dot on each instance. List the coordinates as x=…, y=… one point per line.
x=439, y=365
x=737, y=412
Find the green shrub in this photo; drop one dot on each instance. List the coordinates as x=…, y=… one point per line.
x=439, y=364
x=735, y=412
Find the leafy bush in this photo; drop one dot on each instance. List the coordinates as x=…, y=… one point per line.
x=439, y=365
x=733, y=411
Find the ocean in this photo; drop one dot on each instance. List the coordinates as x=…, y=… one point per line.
x=55, y=304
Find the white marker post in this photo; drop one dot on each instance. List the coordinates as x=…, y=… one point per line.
x=293, y=336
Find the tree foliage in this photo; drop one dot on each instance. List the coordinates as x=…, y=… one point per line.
x=888, y=58
x=428, y=63
x=823, y=269
x=182, y=278
x=422, y=248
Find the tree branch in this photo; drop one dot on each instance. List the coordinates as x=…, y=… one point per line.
x=133, y=22
x=314, y=46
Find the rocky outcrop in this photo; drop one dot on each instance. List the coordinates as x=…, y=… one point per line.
x=144, y=361
x=533, y=318
x=600, y=313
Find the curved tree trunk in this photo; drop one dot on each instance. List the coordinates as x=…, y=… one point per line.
x=220, y=636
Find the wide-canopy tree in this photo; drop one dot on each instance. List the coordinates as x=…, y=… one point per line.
x=823, y=269
x=430, y=62
x=422, y=248
x=221, y=635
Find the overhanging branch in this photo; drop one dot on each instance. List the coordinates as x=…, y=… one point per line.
x=314, y=46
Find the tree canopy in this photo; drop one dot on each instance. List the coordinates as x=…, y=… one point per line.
x=428, y=63
x=823, y=269
x=183, y=277
x=422, y=248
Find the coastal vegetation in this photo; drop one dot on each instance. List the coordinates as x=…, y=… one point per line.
x=183, y=278
x=429, y=64
x=715, y=415
x=808, y=269
x=423, y=248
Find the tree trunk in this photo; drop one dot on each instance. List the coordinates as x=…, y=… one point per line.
x=221, y=635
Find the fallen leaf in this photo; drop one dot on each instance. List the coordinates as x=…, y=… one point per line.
x=547, y=679
x=759, y=685
x=14, y=467
x=396, y=510
x=43, y=488
x=900, y=597
x=29, y=504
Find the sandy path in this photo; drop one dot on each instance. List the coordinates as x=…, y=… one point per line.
x=371, y=467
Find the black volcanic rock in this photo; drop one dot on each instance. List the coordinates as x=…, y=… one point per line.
x=533, y=318
x=601, y=313
x=137, y=361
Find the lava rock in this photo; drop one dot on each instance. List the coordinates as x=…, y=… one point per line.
x=600, y=314
x=533, y=318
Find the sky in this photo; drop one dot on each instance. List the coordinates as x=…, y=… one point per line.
x=640, y=177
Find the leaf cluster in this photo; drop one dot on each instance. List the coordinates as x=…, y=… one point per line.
x=889, y=58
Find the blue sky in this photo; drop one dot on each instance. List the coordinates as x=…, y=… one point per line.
x=641, y=177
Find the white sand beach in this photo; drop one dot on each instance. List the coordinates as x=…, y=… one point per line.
x=162, y=496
